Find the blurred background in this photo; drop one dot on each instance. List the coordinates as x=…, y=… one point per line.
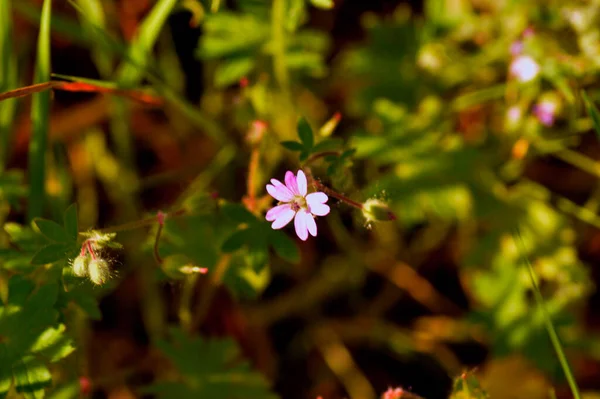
x=470, y=119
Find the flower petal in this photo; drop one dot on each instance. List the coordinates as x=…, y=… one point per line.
x=279, y=191
x=319, y=209
x=311, y=225
x=300, y=224
x=301, y=181
x=276, y=211
x=316, y=198
x=290, y=182
x=283, y=218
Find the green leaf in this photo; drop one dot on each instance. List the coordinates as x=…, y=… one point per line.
x=293, y=145
x=40, y=113
x=325, y=4
x=305, y=133
x=53, y=344
x=231, y=71
x=50, y=253
x=238, y=213
x=31, y=377
x=71, y=222
x=328, y=145
x=236, y=241
x=210, y=369
x=593, y=112
x=284, y=246
x=52, y=230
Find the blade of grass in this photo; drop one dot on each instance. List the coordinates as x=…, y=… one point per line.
x=129, y=75
x=93, y=22
x=8, y=78
x=593, y=112
x=40, y=112
x=61, y=24
x=190, y=111
x=548, y=322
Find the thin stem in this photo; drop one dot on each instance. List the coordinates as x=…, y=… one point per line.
x=279, y=45
x=252, y=172
x=216, y=279
x=156, y=241
x=549, y=326
x=90, y=249
x=337, y=195
x=140, y=223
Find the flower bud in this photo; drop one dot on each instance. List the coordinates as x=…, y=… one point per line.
x=80, y=265
x=99, y=271
x=376, y=210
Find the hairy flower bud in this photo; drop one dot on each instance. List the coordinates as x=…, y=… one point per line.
x=99, y=271
x=375, y=210
x=80, y=265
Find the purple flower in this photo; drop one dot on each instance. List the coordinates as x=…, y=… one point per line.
x=545, y=111
x=516, y=48
x=295, y=204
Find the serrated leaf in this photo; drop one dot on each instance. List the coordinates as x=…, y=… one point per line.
x=231, y=71
x=305, y=133
x=50, y=253
x=71, y=223
x=293, y=145
x=593, y=112
x=325, y=4
x=211, y=369
x=238, y=213
x=52, y=230
x=284, y=246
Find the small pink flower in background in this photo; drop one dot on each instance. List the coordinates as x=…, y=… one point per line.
x=393, y=393
x=295, y=204
x=524, y=68
x=545, y=111
x=516, y=48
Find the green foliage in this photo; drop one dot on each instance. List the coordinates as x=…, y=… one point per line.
x=40, y=115
x=466, y=386
x=209, y=368
x=30, y=337
x=242, y=41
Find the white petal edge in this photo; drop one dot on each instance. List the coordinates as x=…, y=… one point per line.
x=316, y=198
x=300, y=225
x=274, y=213
x=280, y=192
x=319, y=209
x=301, y=181
x=311, y=225
x=283, y=219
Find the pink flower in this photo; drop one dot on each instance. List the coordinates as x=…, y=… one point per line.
x=524, y=68
x=545, y=111
x=393, y=393
x=295, y=204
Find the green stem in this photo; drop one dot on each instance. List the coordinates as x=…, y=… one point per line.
x=40, y=113
x=337, y=195
x=279, y=45
x=139, y=223
x=549, y=326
